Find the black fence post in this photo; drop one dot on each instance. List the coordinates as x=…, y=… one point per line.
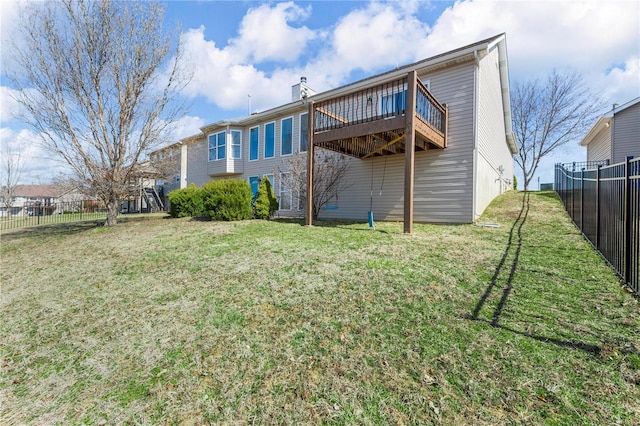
x=582, y=201
x=598, y=208
x=627, y=220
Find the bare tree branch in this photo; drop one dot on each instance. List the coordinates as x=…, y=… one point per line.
x=10, y=176
x=329, y=171
x=549, y=115
x=100, y=81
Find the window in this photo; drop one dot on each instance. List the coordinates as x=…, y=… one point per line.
x=217, y=143
x=304, y=132
x=236, y=144
x=254, y=143
x=394, y=104
x=285, y=192
x=269, y=140
x=286, y=136
x=254, y=182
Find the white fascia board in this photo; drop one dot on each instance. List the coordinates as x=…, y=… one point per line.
x=600, y=124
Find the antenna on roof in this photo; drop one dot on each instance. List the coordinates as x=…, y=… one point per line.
x=249, y=103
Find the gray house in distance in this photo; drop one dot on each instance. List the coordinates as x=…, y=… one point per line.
x=615, y=135
x=432, y=138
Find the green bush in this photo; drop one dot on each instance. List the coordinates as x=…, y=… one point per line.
x=515, y=182
x=266, y=202
x=186, y=202
x=228, y=199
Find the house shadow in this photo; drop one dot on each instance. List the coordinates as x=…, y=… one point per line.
x=508, y=265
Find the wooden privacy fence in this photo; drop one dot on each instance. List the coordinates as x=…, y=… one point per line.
x=604, y=202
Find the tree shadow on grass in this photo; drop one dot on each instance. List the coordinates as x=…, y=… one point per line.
x=509, y=260
x=57, y=229
x=66, y=228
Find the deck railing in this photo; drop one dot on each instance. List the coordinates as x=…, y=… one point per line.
x=604, y=202
x=383, y=101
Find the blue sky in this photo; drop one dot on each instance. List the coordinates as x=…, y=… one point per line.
x=241, y=48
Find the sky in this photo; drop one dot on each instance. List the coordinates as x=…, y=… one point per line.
x=248, y=54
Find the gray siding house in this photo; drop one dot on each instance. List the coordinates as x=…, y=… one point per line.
x=433, y=138
x=616, y=135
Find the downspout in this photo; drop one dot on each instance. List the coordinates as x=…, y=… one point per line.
x=474, y=183
x=183, y=165
x=506, y=101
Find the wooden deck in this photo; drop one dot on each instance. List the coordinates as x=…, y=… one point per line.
x=373, y=121
x=395, y=117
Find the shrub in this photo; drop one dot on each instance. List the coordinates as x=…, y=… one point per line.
x=228, y=199
x=186, y=202
x=515, y=182
x=266, y=202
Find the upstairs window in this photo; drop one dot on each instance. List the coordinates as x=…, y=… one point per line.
x=254, y=143
x=286, y=136
x=269, y=140
x=304, y=132
x=236, y=144
x=217, y=146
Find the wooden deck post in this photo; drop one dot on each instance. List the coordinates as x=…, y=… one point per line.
x=310, y=154
x=410, y=148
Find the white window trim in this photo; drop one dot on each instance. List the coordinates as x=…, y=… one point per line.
x=258, y=156
x=226, y=142
x=264, y=151
x=231, y=144
x=282, y=136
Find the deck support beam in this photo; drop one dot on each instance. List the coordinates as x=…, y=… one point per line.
x=409, y=153
x=310, y=155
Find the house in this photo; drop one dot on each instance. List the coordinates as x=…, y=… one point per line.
x=427, y=142
x=615, y=135
x=41, y=200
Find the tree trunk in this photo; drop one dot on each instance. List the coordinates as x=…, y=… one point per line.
x=112, y=213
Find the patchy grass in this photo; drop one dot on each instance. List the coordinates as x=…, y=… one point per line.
x=179, y=321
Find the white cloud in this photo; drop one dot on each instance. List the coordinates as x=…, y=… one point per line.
x=38, y=165
x=265, y=34
x=376, y=36
x=9, y=108
x=588, y=36
x=184, y=127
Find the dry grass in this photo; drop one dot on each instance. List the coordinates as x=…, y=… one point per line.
x=183, y=322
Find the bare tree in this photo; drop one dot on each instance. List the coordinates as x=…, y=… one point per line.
x=10, y=177
x=329, y=172
x=100, y=81
x=547, y=115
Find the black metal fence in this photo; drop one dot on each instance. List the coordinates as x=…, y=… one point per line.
x=46, y=212
x=604, y=202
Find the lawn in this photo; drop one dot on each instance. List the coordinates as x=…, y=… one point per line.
x=176, y=321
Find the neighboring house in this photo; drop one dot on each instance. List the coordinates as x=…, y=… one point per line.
x=41, y=200
x=615, y=135
x=430, y=141
x=145, y=189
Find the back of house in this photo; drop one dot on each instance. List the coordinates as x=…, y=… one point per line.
x=459, y=166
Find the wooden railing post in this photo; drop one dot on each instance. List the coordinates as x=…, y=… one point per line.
x=310, y=154
x=409, y=151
